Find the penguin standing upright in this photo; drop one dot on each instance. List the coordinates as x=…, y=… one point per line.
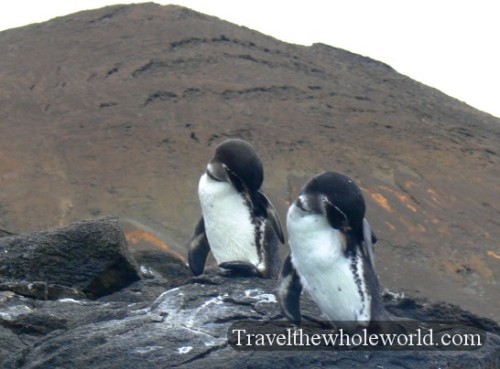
x=331, y=255
x=239, y=224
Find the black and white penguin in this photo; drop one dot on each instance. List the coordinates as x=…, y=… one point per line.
x=331, y=256
x=239, y=224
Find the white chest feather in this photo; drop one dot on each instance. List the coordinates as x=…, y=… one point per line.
x=334, y=282
x=228, y=223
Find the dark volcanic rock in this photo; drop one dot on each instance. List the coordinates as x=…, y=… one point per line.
x=187, y=327
x=89, y=258
x=48, y=321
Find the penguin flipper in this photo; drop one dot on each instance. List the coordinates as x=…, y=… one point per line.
x=272, y=215
x=259, y=201
x=369, y=239
x=198, y=249
x=289, y=291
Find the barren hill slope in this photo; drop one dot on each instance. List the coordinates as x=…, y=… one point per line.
x=118, y=110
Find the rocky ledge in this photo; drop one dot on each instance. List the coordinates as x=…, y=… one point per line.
x=77, y=297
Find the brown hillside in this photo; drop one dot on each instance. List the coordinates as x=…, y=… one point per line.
x=116, y=111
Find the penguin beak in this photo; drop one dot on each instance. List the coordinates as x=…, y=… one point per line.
x=300, y=203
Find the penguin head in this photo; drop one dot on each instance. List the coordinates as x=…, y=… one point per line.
x=235, y=161
x=336, y=197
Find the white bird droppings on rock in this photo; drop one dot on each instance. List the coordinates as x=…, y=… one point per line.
x=184, y=350
x=257, y=294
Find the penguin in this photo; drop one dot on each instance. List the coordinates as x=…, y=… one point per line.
x=239, y=224
x=331, y=255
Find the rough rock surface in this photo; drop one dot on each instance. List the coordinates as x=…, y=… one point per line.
x=89, y=258
x=188, y=326
x=157, y=322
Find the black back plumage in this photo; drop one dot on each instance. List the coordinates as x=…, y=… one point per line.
x=242, y=163
x=346, y=205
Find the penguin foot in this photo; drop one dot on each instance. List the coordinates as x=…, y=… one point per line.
x=240, y=269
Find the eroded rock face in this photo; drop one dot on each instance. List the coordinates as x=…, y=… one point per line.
x=89, y=258
x=165, y=320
